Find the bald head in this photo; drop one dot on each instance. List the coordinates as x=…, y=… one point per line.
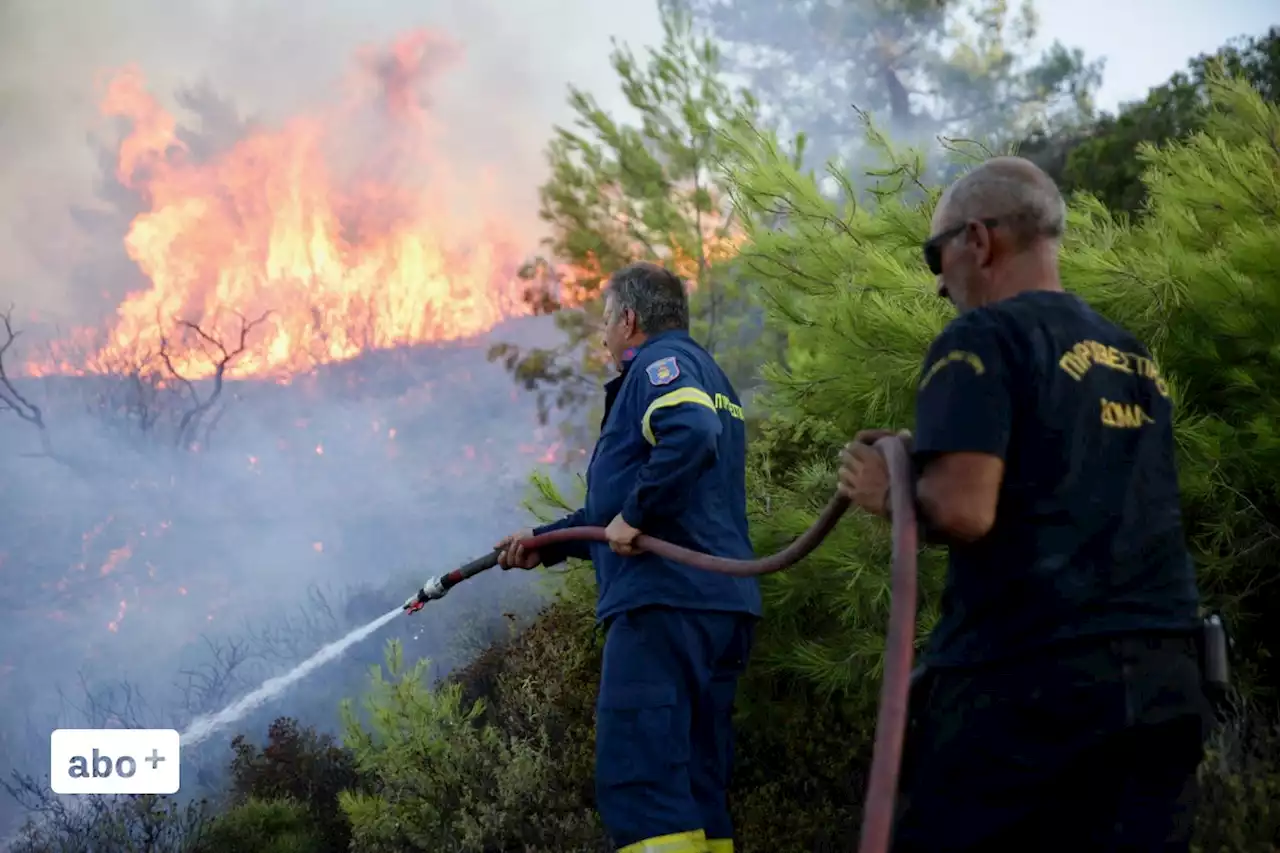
x=996, y=233
x=1011, y=189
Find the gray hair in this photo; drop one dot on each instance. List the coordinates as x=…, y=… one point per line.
x=1011, y=189
x=654, y=293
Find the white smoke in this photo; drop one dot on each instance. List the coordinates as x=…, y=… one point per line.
x=274, y=60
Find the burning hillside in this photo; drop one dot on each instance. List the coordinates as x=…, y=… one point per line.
x=141, y=565
x=340, y=228
x=321, y=254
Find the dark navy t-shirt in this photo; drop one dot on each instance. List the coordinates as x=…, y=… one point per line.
x=1088, y=537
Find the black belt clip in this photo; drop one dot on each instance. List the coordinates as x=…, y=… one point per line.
x=1215, y=655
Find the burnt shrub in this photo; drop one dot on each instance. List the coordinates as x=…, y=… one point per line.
x=298, y=766
x=101, y=824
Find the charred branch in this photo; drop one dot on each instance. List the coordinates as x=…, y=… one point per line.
x=10, y=398
x=293, y=639
x=212, y=424
x=209, y=686
x=132, y=396
x=103, y=822
x=190, y=421
x=142, y=402
x=118, y=705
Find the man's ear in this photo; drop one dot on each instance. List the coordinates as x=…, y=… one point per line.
x=980, y=237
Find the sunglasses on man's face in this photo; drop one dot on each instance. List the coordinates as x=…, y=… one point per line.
x=933, y=246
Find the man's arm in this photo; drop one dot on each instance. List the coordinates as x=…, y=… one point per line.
x=963, y=422
x=578, y=549
x=681, y=423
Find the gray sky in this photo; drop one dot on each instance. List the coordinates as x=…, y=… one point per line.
x=520, y=55
x=1145, y=41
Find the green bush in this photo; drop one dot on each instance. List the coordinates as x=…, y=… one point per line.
x=265, y=826
x=443, y=779
x=799, y=778
x=301, y=767
x=1240, y=785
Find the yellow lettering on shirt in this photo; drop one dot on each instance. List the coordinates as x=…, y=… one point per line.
x=1085, y=355
x=1123, y=415
x=957, y=356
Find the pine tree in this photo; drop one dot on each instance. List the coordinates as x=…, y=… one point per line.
x=961, y=68
x=848, y=285
x=847, y=289
x=622, y=192
x=1101, y=157
x=1197, y=280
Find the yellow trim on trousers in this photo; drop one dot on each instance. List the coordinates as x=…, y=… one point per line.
x=719, y=845
x=680, y=842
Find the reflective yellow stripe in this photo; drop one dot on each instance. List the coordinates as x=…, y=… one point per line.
x=673, y=398
x=680, y=842
x=719, y=845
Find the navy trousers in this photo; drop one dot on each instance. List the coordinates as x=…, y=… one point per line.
x=664, y=730
x=1088, y=748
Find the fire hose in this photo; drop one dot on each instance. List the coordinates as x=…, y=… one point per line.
x=891, y=722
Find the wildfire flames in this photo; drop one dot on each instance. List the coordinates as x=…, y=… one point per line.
x=346, y=252
x=341, y=230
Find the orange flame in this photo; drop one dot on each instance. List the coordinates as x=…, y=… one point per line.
x=576, y=284
x=114, y=625
x=347, y=252
x=114, y=559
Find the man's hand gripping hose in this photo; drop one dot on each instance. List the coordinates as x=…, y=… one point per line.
x=899, y=647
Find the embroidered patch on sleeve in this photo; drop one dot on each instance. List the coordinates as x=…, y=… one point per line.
x=664, y=371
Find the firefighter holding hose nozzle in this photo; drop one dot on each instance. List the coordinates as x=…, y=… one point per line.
x=1061, y=703
x=670, y=461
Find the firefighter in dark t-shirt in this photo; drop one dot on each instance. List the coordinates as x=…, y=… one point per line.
x=1061, y=705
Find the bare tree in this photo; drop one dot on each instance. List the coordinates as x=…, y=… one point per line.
x=190, y=421
x=212, y=423
x=23, y=746
x=135, y=394
x=89, y=824
x=10, y=398
x=292, y=639
x=210, y=685
x=131, y=394
x=116, y=705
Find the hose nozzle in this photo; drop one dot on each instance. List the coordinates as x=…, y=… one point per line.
x=432, y=590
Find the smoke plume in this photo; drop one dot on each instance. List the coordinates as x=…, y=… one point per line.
x=494, y=106
x=350, y=184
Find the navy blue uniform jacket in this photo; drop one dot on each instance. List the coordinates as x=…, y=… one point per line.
x=672, y=459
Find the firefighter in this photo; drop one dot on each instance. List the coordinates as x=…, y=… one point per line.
x=1061, y=705
x=670, y=461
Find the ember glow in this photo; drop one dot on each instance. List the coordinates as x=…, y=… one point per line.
x=342, y=227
